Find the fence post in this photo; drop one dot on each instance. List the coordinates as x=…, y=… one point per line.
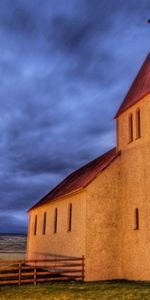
x=83, y=258
x=19, y=275
x=35, y=273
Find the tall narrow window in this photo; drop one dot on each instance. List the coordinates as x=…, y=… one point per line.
x=55, y=220
x=130, y=128
x=35, y=225
x=136, y=219
x=44, y=223
x=69, y=217
x=138, y=123
x=117, y=132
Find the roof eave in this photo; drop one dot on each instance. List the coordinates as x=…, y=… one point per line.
x=121, y=111
x=75, y=191
x=57, y=198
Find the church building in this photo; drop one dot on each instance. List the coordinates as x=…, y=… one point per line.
x=102, y=210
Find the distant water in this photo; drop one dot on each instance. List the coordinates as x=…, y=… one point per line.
x=12, y=246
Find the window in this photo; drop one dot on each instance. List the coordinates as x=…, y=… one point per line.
x=138, y=123
x=117, y=132
x=136, y=219
x=130, y=128
x=44, y=223
x=55, y=220
x=35, y=225
x=69, y=217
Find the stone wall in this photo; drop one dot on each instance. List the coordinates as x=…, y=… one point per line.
x=135, y=191
x=42, y=246
x=103, y=225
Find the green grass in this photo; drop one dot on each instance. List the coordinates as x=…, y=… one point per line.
x=80, y=291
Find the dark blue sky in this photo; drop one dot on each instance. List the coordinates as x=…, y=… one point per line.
x=65, y=68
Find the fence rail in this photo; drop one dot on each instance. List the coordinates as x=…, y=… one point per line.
x=34, y=271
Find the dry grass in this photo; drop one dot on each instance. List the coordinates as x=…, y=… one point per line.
x=80, y=291
x=12, y=247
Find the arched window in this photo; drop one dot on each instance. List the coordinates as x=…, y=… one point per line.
x=130, y=128
x=136, y=219
x=138, y=123
x=55, y=219
x=44, y=223
x=69, y=217
x=35, y=225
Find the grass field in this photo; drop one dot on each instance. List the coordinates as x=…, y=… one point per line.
x=14, y=247
x=80, y=291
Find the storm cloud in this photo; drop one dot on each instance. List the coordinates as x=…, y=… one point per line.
x=65, y=68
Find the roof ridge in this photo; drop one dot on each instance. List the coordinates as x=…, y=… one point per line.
x=139, y=88
x=139, y=73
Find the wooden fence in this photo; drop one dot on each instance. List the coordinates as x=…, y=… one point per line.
x=27, y=271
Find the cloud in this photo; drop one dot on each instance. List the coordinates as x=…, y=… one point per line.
x=18, y=223
x=64, y=71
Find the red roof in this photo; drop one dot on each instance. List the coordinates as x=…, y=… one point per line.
x=139, y=89
x=80, y=178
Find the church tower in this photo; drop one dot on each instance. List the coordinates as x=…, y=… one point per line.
x=133, y=116
x=133, y=140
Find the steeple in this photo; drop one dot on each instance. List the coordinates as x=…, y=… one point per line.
x=139, y=88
